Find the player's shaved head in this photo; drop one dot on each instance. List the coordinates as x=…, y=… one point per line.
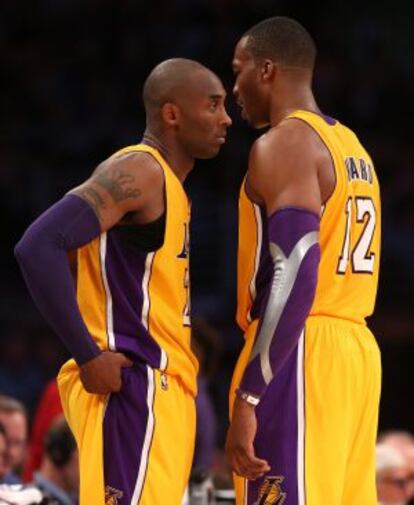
x=184, y=105
x=170, y=81
x=282, y=40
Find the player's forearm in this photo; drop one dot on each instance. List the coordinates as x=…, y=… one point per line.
x=42, y=256
x=294, y=247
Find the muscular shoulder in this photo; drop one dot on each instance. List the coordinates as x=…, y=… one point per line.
x=131, y=182
x=283, y=166
x=292, y=142
x=133, y=170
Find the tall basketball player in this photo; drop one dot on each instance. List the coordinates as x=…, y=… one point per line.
x=128, y=393
x=306, y=388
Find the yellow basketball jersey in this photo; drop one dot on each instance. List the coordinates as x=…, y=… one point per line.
x=138, y=302
x=350, y=233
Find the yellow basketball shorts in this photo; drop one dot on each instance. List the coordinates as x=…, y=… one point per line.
x=136, y=446
x=317, y=421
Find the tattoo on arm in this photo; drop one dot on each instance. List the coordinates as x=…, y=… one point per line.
x=93, y=198
x=116, y=184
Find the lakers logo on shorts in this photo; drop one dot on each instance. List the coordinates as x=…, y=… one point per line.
x=164, y=382
x=112, y=495
x=270, y=492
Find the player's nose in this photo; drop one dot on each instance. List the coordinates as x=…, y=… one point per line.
x=226, y=121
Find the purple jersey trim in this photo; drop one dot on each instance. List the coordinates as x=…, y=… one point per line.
x=330, y=120
x=294, y=247
x=42, y=256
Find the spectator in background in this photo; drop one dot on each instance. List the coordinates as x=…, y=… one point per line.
x=3, y=453
x=392, y=476
x=58, y=477
x=403, y=442
x=48, y=409
x=14, y=419
x=14, y=494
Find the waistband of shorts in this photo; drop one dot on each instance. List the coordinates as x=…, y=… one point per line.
x=70, y=367
x=329, y=319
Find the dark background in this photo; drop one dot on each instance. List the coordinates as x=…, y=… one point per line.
x=72, y=74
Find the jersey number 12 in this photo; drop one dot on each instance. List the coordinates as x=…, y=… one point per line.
x=361, y=258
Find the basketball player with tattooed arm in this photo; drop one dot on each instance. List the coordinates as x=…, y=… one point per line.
x=306, y=387
x=128, y=393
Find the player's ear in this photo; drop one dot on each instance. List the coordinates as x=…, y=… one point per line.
x=268, y=70
x=170, y=113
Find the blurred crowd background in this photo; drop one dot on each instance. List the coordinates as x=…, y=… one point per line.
x=72, y=75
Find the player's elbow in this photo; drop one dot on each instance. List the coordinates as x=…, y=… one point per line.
x=29, y=247
x=22, y=250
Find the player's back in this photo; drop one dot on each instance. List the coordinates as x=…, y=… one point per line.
x=349, y=235
x=350, y=229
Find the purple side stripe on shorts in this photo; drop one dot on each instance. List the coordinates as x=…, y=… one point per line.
x=280, y=436
x=128, y=430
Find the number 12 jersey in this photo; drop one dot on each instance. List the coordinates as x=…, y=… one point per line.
x=350, y=233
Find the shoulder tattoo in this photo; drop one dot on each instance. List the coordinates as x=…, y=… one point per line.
x=118, y=184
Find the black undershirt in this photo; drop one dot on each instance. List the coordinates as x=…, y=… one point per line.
x=146, y=237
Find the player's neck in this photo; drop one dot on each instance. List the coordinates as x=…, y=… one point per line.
x=286, y=103
x=177, y=160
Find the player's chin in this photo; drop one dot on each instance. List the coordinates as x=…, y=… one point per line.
x=254, y=120
x=210, y=152
x=249, y=120
x=258, y=123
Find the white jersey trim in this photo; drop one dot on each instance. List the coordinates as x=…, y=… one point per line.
x=252, y=286
x=300, y=384
x=109, y=304
x=145, y=289
x=147, y=440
